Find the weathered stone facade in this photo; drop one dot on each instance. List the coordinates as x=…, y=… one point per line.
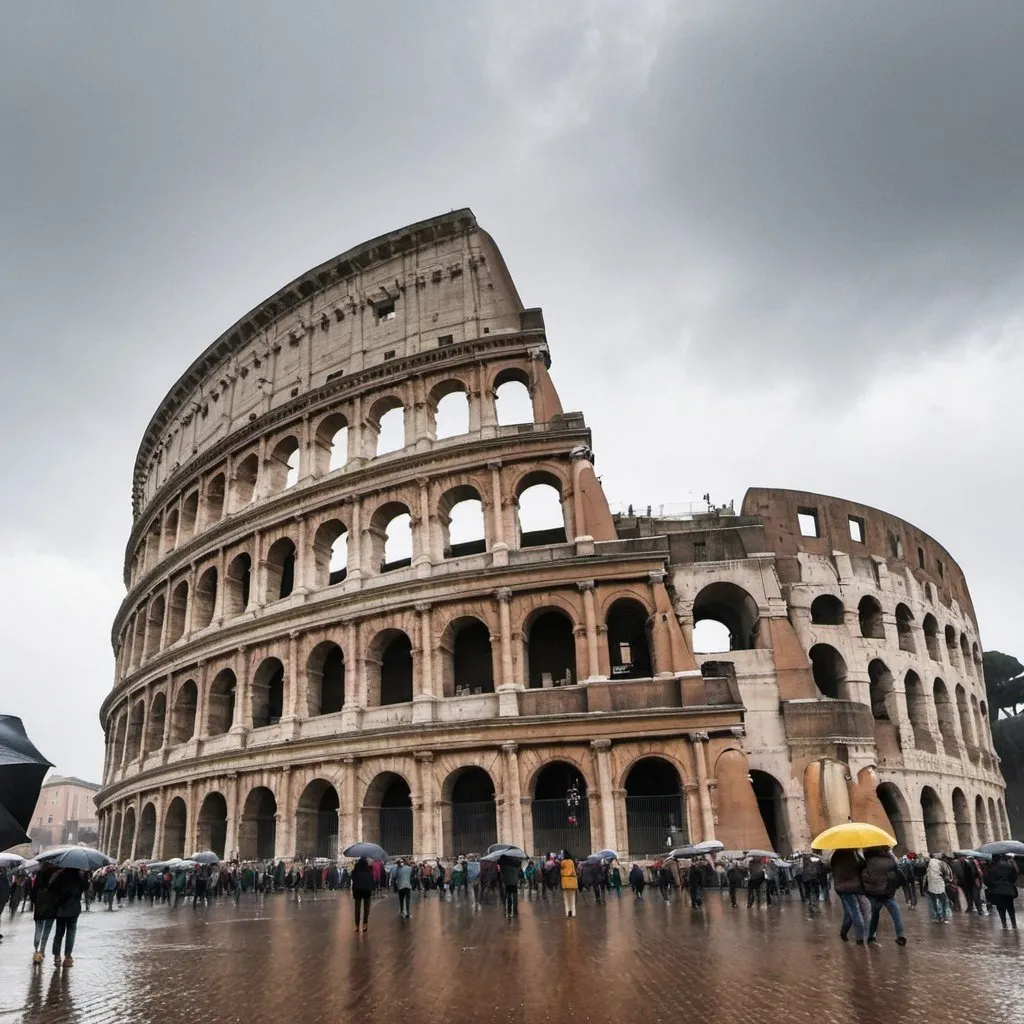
x=283, y=682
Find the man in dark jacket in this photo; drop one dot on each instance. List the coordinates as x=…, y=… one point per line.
x=734, y=875
x=510, y=883
x=846, y=873
x=755, y=881
x=362, y=890
x=881, y=878
x=636, y=881
x=1001, y=888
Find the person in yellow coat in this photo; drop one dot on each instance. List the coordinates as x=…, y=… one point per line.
x=569, y=883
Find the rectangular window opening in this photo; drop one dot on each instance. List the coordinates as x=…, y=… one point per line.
x=384, y=310
x=807, y=519
x=444, y=339
x=941, y=568
x=920, y=558
x=856, y=529
x=390, y=354
x=700, y=551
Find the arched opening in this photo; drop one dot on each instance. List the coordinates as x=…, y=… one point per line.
x=964, y=714
x=962, y=820
x=183, y=716
x=467, y=659
x=976, y=715
x=155, y=723
x=905, y=628
x=238, y=585
x=827, y=610
x=174, y=829
x=917, y=712
x=221, y=711
x=995, y=821
x=114, y=840
x=385, y=426
x=189, y=516
x=124, y=849
x=460, y=514
x=655, y=818
x=771, y=802
x=728, y=607
x=205, y=599
x=540, y=519
x=330, y=553
x=331, y=444
x=896, y=810
x=512, y=401
x=179, y=610
x=976, y=658
x=394, y=669
x=469, y=815
x=139, y=637
x=551, y=650
x=282, y=466
x=325, y=673
x=136, y=724
x=951, y=647
x=629, y=648
x=981, y=817
x=214, y=496
x=171, y=530
x=945, y=715
x=212, y=824
x=387, y=814
x=391, y=537
x=316, y=821
x=884, y=709
x=561, y=811
x=936, y=828
x=930, y=628
x=154, y=625
x=268, y=693
x=985, y=736
x=448, y=405
x=280, y=569
x=243, y=486
x=257, y=830
x=120, y=734
x=829, y=670
x=147, y=833
x=1004, y=821
x=869, y=612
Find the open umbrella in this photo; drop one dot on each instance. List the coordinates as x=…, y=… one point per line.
x=683, y=851
x=972, y=854
x=205, y=857
x=22, y=769
x=1007, y=847
x=852, y=835
x=709, y=846
x=605, y=855
x=500, y=846
x=11, y=860
x=80, y=858
x=371, y=851
x=768, y=854
x=512, y=852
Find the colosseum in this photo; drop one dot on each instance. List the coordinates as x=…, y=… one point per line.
x=375, y=591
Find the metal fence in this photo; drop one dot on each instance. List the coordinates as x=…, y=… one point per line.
x=396, y=830
x=327, y=834
x=474, y=826
x=650, y=820
x=552, y=830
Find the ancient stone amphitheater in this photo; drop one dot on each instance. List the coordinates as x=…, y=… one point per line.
x=370, y=596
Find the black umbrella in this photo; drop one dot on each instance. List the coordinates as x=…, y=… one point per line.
x=22, y=770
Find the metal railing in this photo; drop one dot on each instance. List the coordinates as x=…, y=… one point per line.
x=474, y=826
x=553, y=829
x=649, y=822
x=669, y=510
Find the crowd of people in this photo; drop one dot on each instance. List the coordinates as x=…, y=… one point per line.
x=865, y=882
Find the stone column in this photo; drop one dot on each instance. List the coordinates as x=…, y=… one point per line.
x=508, y=702
x=621, y=820
x=167, y=616
x=234, y=813
x=421, y=559
x=355, y=679
x=303, y=558
x=355, y=541
x=284, y=832
x=601, y=752
x=590, y=622
x=239, y=724
x=165, y=740
x=429, y=827
x=158, y=833
x=190, y=820
x=348, y=813
x=498, y=545
x=698, y=743
x=138, y=825
x=488, y=410
x=424, y=697
x=513, y=793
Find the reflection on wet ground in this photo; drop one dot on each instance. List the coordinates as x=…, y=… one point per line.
x=279, y=960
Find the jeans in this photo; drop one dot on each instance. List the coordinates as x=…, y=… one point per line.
x=890, y=904
x=851, y=916
x=937, y=904
x=362, y=899
x=66, y=928
x=511, y=900
x=403, y=901
x=42, y=933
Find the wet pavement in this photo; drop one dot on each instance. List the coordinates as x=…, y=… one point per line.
x=274, y=959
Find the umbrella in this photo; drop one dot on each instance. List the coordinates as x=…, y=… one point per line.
x=1008, y=847
x=157, y=865
x=371, y=851
x=512, y=852
x=709, y=846
x=768, y=854
x=80, y=858
x=22, y=769
x=205, y=857
x=500, y=846
x=683, y=851
x=853, y=835
x=972, y=854
x=11, y=860
x=605, y=855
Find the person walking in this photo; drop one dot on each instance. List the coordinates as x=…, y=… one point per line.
x=569, y=882
x=755, y=880
x=847, y=867
x=1001, y=888
x=109, y=888
x=695, y=883
x=5, y=892
x=615, y=878
x=362, y=890
x=937, y=876
x=45, y=909
x=68, y=889
x=907, y=880
x=510, y=885
x=734, y=875
x=636, y=881
x=403, y=883
x=881, y=877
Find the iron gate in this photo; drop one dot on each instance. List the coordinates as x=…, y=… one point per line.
x=327, y=834
x=553, y=830
x=396, y=830
x=650, y=820
x=474, y=826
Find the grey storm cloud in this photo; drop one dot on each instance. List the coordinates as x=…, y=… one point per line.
x=779, y=242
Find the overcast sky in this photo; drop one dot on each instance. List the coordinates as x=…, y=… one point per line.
x=776, y=244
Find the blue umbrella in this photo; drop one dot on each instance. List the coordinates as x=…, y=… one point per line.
x=1008, y=847
x=205, y=857
x=78, y=858
x=604, y=855
x=371, y=851
x=972, y=854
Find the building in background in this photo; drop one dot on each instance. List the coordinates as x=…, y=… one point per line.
x=365, y=600
x=65, y=813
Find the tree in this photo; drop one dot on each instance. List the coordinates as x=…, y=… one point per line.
x=1004, y=684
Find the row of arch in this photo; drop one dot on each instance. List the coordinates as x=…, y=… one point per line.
x=559, y=809
x=450, y=408
x=469, y=664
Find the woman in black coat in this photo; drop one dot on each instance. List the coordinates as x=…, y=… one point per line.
x=1001, y=888
x=44, y=908
x=68, y=888
x=362, y=889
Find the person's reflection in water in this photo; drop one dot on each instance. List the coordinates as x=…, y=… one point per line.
x=57, y=1004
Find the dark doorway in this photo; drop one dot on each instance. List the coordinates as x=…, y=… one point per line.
x=561, y=811
x=655, y=818
x=474, y=818
x=771, y=802
x=396, y=672
x=552, y=651
x=629, y=650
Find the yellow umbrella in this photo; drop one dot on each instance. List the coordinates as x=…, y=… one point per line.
x=853, y=835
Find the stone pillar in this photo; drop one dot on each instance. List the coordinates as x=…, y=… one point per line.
x=295, y=687
x=234, y=813
x=424, y=696
x=513, y=794
x=239, y=724
x=158, y=833
x=348, y=813
x=202, y=721
x=190, y=820
x=488, y=411
x=429, y=826
x=138, y=825
x=284, y=832
x=508, y=702
x=601, y=752
x=499, y=544
x=698, y=743
x=303, y=557
x=355, y=679
x=165, y=739
x=421, y=561
x=167, y=616
x=621, y=821
x=590, y=622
